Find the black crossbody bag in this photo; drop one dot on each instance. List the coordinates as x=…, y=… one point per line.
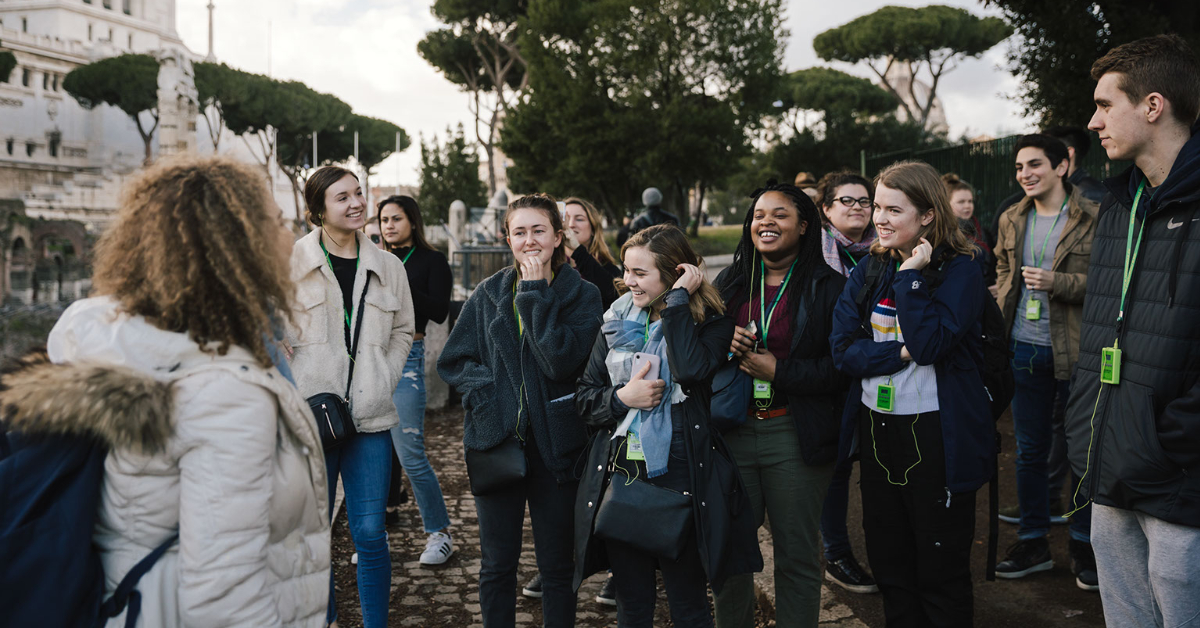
x=334, y=421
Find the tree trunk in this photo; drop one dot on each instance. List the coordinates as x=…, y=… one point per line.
x=694, y=228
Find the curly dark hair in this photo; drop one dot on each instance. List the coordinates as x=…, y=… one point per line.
x=193, y=250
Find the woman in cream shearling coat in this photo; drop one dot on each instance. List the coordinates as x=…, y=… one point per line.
x=172, y=369
x=332, y=266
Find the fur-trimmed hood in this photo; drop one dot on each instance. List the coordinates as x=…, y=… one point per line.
x=122, y=407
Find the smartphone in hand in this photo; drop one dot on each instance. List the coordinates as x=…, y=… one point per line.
x=640, y=360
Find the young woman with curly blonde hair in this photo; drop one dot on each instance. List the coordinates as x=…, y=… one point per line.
x=216, y=447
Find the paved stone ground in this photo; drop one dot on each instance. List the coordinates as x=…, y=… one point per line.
x=448, y=595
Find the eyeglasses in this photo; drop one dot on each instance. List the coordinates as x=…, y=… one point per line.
x=850, y=201
x=374, y=238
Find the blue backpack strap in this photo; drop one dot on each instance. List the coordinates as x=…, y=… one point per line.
x=126, y=594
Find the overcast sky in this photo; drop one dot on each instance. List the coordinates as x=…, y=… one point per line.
x=365, y=52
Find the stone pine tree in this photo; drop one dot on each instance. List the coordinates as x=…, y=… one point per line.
x=928, y=40
x=376, y=142
x=128, y=82
x=627, y=94
x=1060, y=40
x=478, y=52
x=449, y=172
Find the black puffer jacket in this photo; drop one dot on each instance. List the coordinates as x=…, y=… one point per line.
x=1141, y=450
x=724, y=522
x=816, y=390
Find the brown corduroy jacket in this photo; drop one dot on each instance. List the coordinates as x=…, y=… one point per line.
x=1071, y=256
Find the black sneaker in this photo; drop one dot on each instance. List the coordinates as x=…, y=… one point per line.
x=1083, y=564
x=848, y=574
x=1026, y=557
x=534, y=588
x=608, y=593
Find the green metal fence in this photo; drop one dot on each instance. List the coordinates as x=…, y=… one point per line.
x=988, y=167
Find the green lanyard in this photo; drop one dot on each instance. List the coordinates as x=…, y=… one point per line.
x=520, y=327
x=410, y=252
x=1135, y=246
x=765, y=314
x=1037, y=259
x=330, y=262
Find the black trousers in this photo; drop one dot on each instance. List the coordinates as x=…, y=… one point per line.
x=918, y=535
x=501, y=524
x=633, y=570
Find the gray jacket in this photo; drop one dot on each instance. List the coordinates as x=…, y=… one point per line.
x=488, y=362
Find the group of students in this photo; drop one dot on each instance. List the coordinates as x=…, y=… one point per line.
x=651, y=421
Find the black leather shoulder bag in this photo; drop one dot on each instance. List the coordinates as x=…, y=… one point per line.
x=334, y=421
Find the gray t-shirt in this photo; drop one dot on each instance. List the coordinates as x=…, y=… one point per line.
x=1038, y=230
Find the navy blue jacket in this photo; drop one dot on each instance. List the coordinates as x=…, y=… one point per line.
x=943, y=330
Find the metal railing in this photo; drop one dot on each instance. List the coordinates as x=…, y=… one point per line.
x=988, y=167
x=476, y=263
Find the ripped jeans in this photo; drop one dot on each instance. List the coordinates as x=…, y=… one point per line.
x=409, y=440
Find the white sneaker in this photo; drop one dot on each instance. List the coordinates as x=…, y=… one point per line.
x=438, y=549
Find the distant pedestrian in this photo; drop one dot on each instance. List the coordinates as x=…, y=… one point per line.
x=515, y=354
x=342, y=279
x=917, y=407
x=191, y=278
x=429, y=282
x=808, y=184
x=653, y=214
x=786, y=449
x=1133, y=421
x=653, y=439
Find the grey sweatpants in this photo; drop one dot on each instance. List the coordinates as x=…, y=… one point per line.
x=1149, y=569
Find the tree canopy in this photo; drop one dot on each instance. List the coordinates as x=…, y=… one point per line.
x=478, y=52
x=128, y=82
x=929, y=38
x=1061, y=40
x=627, y=94
x=449, y=172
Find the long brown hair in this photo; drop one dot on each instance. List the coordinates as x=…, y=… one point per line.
x=191, y=250
x=670, y=248
x=412, y=211
x=923, y=186
x=597, y=248
x=548, y=206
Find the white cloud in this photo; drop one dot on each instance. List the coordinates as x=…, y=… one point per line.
x=365, y=52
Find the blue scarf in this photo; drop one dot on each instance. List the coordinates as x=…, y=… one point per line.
x=625, y=330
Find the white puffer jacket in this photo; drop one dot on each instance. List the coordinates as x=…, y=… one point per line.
x=320, y=362
x=240, y=475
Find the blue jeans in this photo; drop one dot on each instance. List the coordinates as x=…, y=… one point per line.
x=365, y=464
x=833, y=515
x=1033, y=408
x=409, y=440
